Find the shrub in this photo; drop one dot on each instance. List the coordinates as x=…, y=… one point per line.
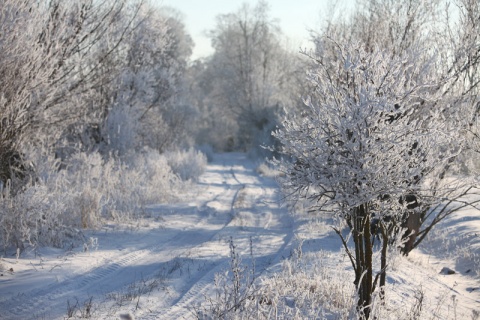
x=187, y=164
x=81, y=193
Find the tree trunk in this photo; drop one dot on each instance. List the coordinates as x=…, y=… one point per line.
x=383, y=259
x=413, y=225
x=363, y=256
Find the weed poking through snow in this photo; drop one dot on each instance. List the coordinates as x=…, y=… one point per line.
x=234, y=289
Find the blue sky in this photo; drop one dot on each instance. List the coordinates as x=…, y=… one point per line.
x=296, y=16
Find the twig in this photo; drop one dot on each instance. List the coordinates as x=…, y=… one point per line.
x=55, y=267
x=33, y=266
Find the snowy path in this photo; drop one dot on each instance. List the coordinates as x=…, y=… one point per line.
x=165, y=265
x=179, y=250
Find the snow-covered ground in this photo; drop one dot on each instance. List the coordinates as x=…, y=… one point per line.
x=165, y=264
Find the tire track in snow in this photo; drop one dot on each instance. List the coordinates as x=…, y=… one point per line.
x=183, y=307
x=203, y=279
x=204, y=283
x=38, y=300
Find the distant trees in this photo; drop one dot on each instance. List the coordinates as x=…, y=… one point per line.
x=252, y=76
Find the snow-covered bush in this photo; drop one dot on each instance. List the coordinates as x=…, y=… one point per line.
x=267, y=170
x=33, y=216
x=113, y=189
x=187, y=164
x=82, y=193
x=234, y=289
x=157, y=182
x=208, y=151
x=305, y=288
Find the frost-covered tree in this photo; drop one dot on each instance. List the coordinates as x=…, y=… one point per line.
x=374, y=143
x=50, y=67
x=145, y=104
x=101, y=75
x=396, y=25
x=449, y=44
x=448, y=30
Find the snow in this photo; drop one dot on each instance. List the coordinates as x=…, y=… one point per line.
x=165, y=264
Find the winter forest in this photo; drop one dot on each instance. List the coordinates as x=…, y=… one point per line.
x=264, y=181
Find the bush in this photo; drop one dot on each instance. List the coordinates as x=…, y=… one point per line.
x=267, y=170
x=208, y=151
x=34, y=216
x=187, y=164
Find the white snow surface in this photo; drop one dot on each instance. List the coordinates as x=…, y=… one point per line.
x=165, y=264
